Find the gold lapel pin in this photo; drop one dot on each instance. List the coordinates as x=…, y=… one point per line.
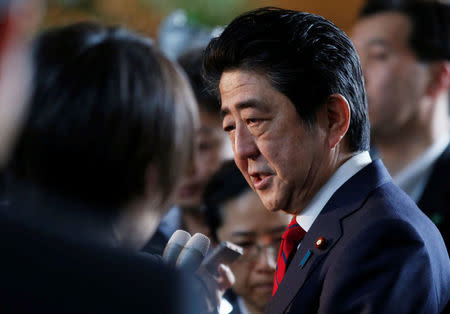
x=321, y=243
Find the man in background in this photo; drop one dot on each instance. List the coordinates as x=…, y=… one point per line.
x=405, y=53
x=236, y=214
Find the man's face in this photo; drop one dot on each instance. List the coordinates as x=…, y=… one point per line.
x=280, y=159
x=209, y=153
x=394, y=79
x=258, y=231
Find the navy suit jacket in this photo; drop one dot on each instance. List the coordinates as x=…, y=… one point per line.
x=435, y=199
x=232, y=298
x=383, y=255
x=41, y=273
x=49, y=265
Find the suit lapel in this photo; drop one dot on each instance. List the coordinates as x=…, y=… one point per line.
x=436, y=195
x=347, y=199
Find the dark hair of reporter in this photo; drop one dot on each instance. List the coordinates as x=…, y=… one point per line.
x=225, y=185
x=106, y=109
x=430, y=25
x=304, y=56
x=104, y=100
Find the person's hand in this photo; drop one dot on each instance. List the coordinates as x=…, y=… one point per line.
x=216, y=285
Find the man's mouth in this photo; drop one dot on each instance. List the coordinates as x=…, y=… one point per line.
x=265, y=287
x=261, y=180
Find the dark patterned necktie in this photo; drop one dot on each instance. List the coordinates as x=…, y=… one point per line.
x=289, y=242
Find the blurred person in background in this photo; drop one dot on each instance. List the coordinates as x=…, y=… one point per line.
x=211, y=148
x=405, y=55
x=236, y=214
x=109, y=132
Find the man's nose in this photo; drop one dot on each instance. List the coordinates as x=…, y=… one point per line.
x=244, y=145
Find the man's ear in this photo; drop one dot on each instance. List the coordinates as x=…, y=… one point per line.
x=338, y=118
x=439, y=78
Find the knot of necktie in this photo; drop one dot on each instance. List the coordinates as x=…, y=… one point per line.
x=294, y=233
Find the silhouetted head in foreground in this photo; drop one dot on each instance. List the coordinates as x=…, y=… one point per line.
x=111, y=126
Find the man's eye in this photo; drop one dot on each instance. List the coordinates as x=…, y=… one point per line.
x=380, y=56
x=205, y=146
x=228, y=128
x=252, y=121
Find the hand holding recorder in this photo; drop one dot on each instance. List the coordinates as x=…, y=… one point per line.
x=190, y=254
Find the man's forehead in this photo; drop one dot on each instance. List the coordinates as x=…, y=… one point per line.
x=386, y=27
x=243, y=89
x=235, y=79
x=247, y=103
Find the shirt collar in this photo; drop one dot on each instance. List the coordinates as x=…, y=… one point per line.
x=242, y=306
x=413, y=177
x=349, y=168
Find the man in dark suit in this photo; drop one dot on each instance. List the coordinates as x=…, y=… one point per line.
x=405, y=56
x=294, y=106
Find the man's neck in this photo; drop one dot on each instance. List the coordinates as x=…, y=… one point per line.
x=329, y=164
x=400, y=148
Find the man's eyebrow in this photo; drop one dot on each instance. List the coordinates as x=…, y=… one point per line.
x=378, y=42
x=248, y=103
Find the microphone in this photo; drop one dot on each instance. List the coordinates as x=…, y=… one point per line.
x=175, y=245
x=193, y=253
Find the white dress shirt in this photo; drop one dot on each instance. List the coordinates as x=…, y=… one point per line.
x=225, y=307
x=413, y=178
x=347, y=170
x=242, y=306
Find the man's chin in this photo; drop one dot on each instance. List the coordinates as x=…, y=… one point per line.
x=271, y=207
x=259, y=304
x=272, y=204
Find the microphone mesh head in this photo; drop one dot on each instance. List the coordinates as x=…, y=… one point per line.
x=200, y=242
x=180, y=237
